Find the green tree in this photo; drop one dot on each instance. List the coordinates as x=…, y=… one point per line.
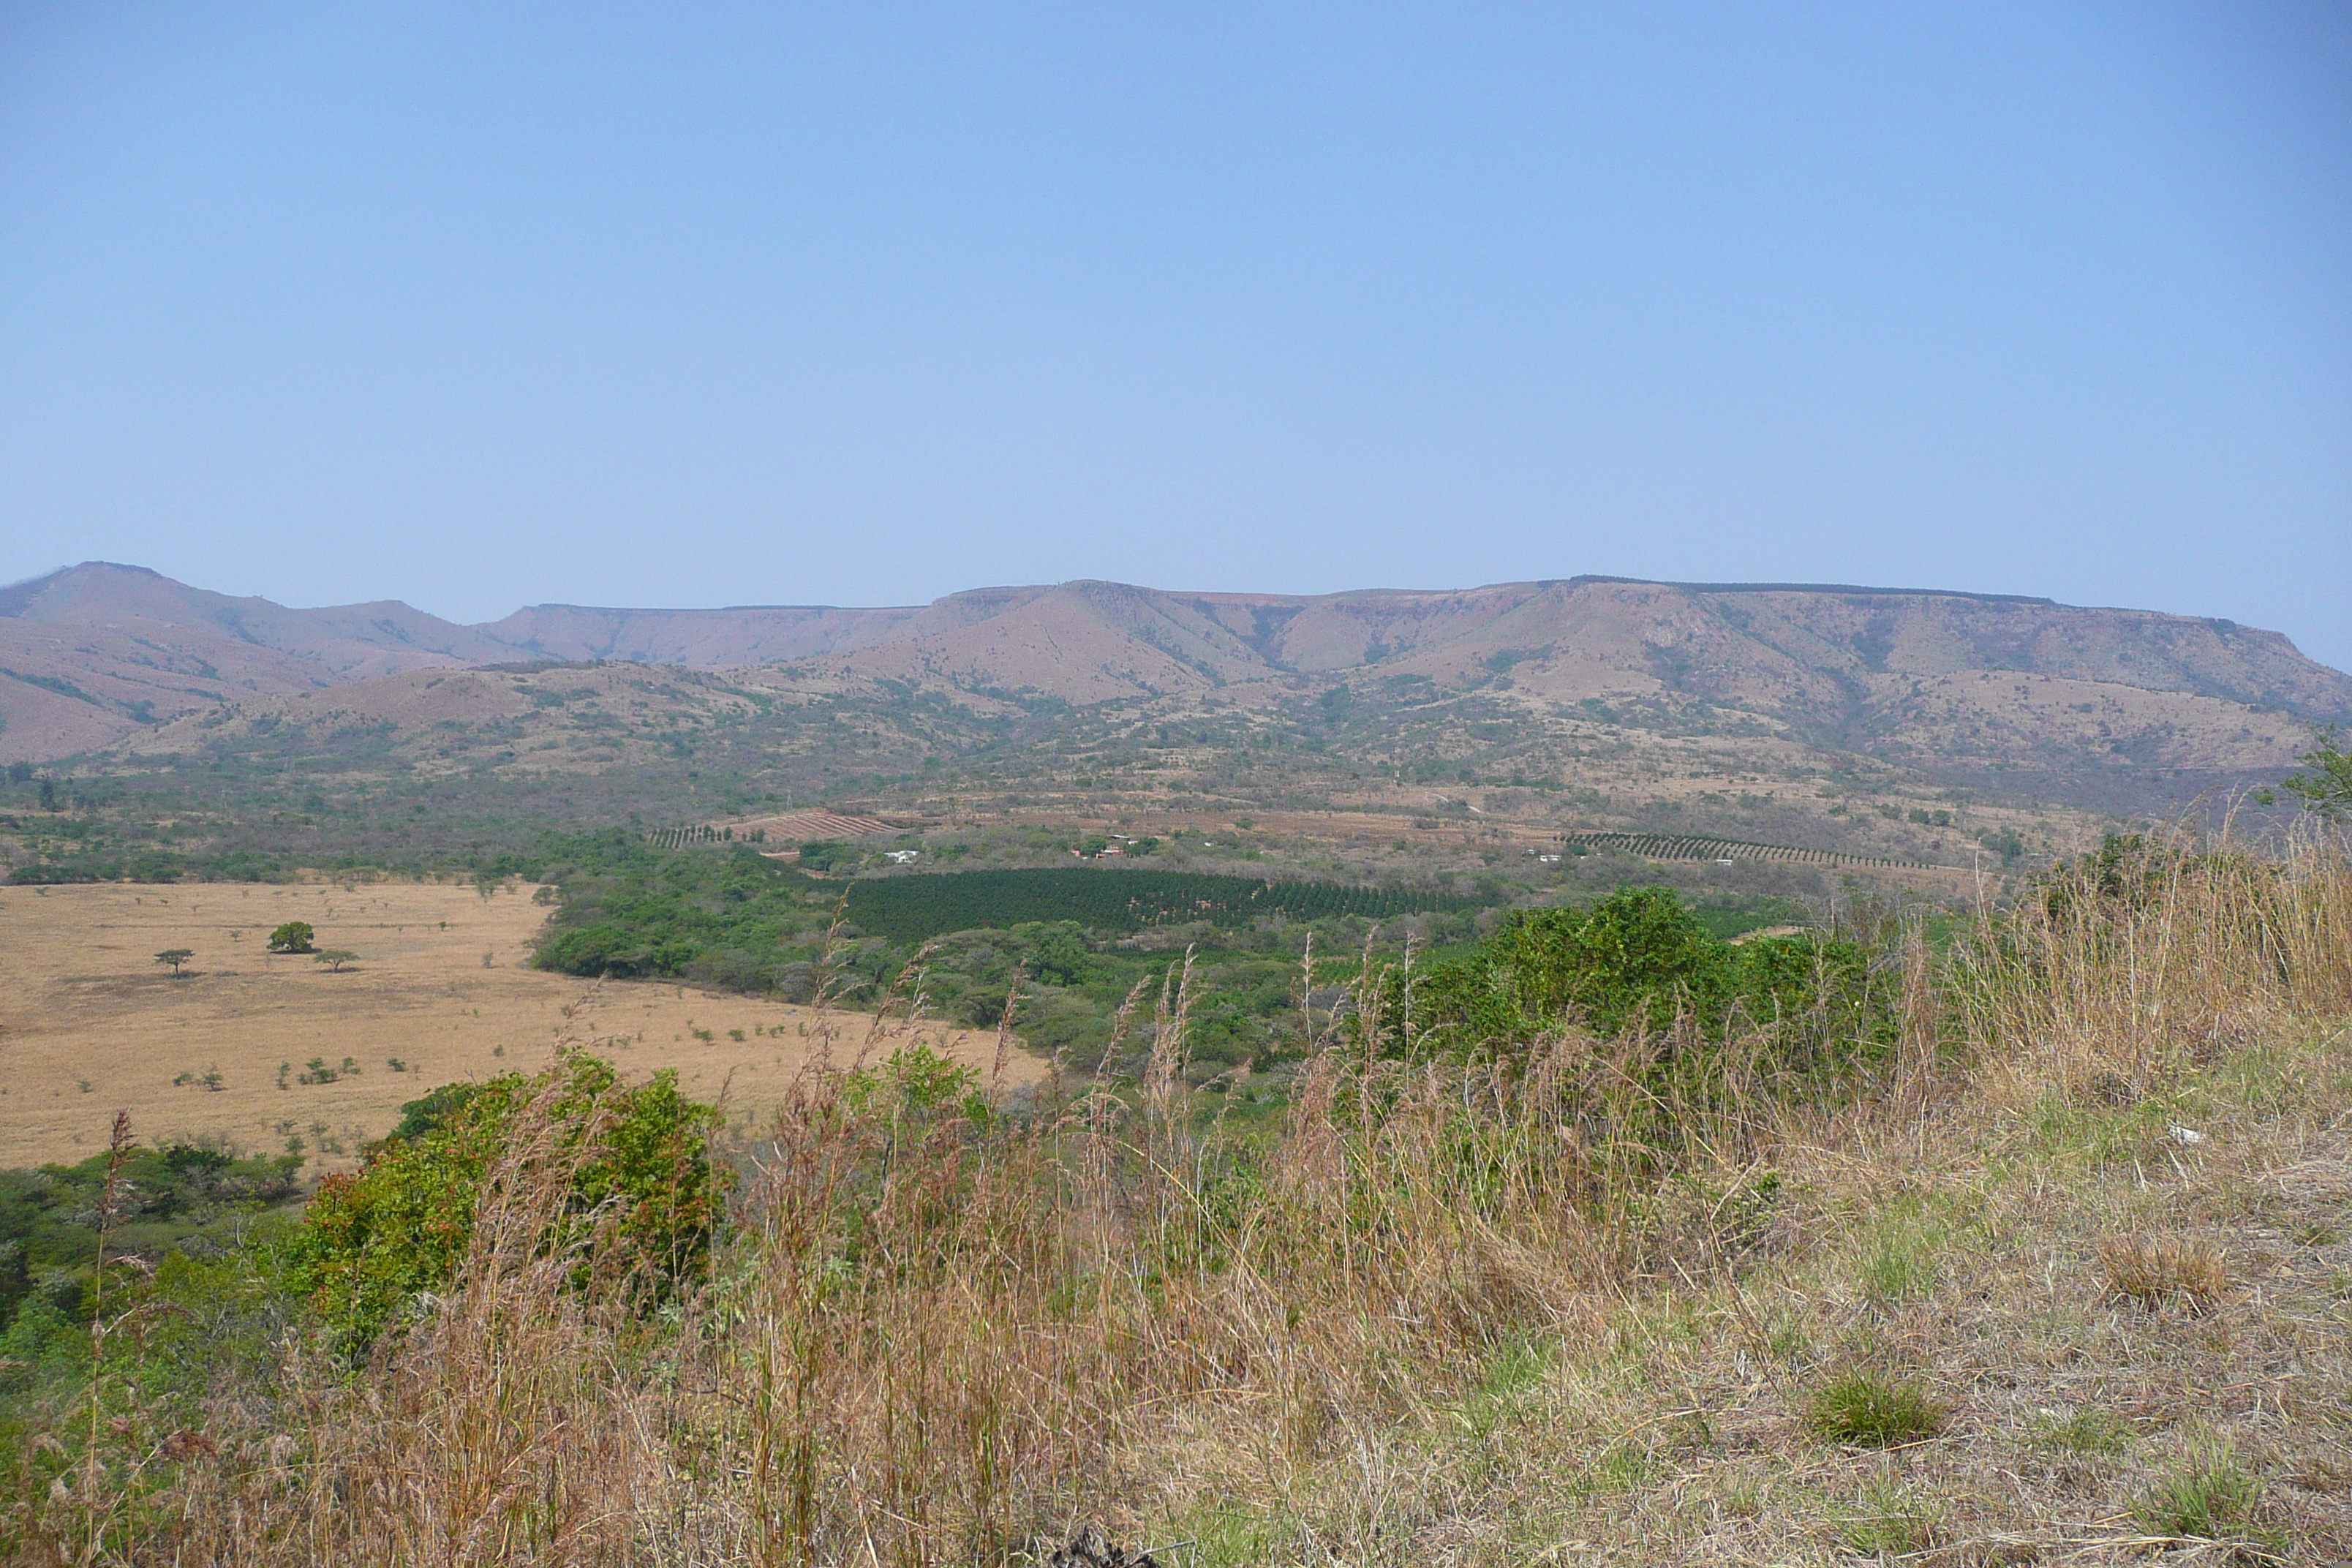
x=176, y=956
x=2326, y=786
x=830, y=855
x=334, y=958
x=294, y=936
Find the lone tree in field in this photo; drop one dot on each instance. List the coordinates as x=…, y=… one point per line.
x=294, y=936
x=176, y=956
x=334, y=958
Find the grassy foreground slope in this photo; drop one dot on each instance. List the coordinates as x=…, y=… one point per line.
x=2060, y=1276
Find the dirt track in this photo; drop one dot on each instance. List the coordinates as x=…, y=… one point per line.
x=89, y=1023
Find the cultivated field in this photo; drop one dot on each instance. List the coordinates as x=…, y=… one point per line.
x=89, y=1023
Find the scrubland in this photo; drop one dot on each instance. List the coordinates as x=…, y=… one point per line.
x=2058, y=1273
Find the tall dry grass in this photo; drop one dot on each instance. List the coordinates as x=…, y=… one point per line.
x=937, y=1334
x=2102, y=980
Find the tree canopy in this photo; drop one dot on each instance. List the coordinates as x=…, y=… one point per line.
x=294, y=936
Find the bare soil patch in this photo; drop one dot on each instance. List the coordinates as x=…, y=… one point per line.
x=89, y=1023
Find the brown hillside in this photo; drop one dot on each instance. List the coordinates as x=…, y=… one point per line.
x=94, y=654
x=2022, y=698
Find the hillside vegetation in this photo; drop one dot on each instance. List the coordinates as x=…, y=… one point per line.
x=2018, y=1242
x=1908, y=725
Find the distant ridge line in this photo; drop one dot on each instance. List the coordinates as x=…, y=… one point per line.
x=1851, y=588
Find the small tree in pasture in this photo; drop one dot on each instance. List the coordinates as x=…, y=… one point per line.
x=294, y=936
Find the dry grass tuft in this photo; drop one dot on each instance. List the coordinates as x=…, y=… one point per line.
x=2156, y=1270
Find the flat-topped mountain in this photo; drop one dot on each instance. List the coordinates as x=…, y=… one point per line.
x=1950, y=685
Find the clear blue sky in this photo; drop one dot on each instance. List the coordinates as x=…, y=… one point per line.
x=483, y=305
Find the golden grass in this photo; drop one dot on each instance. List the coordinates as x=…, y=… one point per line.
x=1439, y=1315
x=89, y=1023
x=2158, y=1270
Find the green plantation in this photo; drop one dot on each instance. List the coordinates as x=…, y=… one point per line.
x=914, y=908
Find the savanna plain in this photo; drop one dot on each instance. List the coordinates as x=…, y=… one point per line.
x=1560, y=1073
x=246, y=1049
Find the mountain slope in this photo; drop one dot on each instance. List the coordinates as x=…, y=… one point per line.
x=2022, y=698
x=93, y=653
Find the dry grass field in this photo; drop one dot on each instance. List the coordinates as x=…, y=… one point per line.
x=89, y=1023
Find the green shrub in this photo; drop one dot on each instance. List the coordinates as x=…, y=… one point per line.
x=371, y=1243
x=179, y=1197
x=1875, y=1412
x=918, y=1083
x=1639, y=957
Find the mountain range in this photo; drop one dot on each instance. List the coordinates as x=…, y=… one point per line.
x=99, y=657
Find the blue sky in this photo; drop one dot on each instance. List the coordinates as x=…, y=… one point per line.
x=487, y=305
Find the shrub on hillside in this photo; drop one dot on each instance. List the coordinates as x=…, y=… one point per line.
x=1639, y=960
x=641, y=1193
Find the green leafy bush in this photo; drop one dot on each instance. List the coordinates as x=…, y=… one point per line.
x=916, y=1083
x=371, y=1243
x=1639, y=958
x=180, y=1197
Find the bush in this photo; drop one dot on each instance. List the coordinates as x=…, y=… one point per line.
x=174, y=1198
x=1640, y=959
x=371, y=1243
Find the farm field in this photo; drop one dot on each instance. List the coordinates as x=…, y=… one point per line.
x=89, y=1023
